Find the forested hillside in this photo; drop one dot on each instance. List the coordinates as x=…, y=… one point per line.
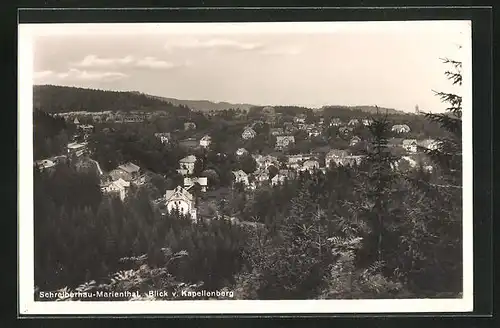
x=58, y=99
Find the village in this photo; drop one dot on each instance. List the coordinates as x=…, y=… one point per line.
x=271, y=169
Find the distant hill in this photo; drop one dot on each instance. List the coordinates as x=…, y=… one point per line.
x=202, y=105
x=366, y=109
x=58, y=99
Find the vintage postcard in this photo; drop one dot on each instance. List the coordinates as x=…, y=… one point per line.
x=245, y=168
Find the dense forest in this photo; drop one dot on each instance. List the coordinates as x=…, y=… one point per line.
x=365, y=231
x=59, y=99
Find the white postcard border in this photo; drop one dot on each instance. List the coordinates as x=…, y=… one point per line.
x=27, y=304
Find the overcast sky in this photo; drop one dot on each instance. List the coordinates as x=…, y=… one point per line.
x=394, y=64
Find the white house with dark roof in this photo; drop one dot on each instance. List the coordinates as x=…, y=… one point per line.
x=410, y=145
x=181, y=200
x=186, y=165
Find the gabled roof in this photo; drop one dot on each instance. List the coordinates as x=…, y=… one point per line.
x=45, y=163
x=311, y=162
x=206, y=137
x=129, y=167
x=283, y=138
x=241, y=151
x=239, y=174
x=162, y=134
x=408, y=142
x=178, y=193
x=427, y=143
x=249, y=130
x=337, y=153
x=188, y=159
x=120, y=183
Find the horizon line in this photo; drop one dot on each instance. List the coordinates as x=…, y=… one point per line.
x=235, y=102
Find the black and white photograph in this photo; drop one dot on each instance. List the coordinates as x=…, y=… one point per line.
x=291, y=167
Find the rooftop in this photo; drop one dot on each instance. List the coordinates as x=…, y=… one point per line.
x=129, y=167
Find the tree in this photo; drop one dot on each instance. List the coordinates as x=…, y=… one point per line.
x=248, y=163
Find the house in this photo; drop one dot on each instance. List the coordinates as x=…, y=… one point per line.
x=335, y=121
x=367, y=121
x=257, y=122
x=430, y=144
x=336, y=156
x=77, y=149
x=186, y=165
x=205, y=141
x=86, y=128
x=189, y=126
x=310, y=165
x=293, y=159
x=76, y=121
x=241, y=152
x=279, y=179
x=321, y=121
x=301, y=118
x=284, y=141
x=345, y=130
x=119, y=186
x=314, y=132
x=400, y=128
x=248, y=133
x=354, y=141
x=263, y=162
x=353, y=122
x=352, y=160
x=410, y=145
x=164, y=137
x=277, y=131
x=179, y=199
x=44, y=164
x=190, y=182
x=240, y=177
x=261, y=176
x=127, y=172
